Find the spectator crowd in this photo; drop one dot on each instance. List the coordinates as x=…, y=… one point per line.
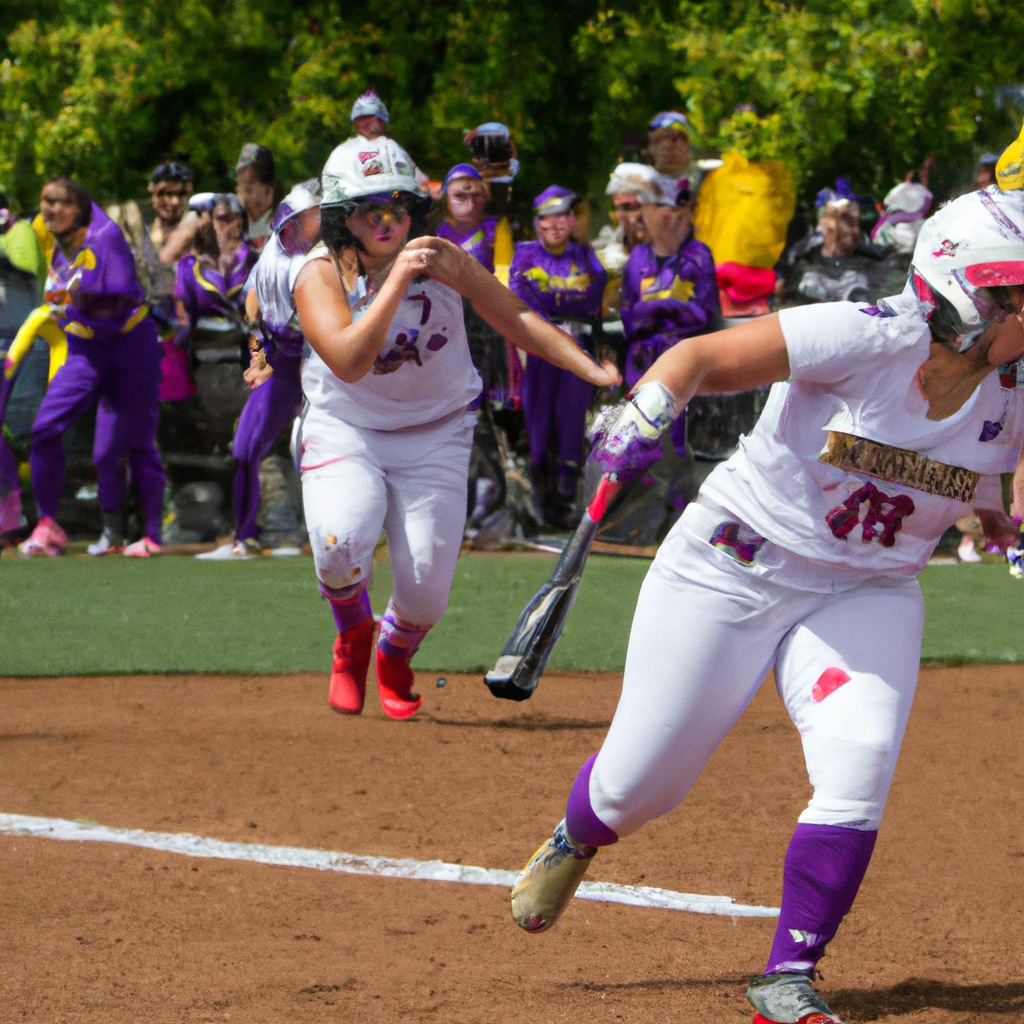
x=138, y=324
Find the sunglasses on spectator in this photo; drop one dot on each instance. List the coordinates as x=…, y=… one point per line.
x=626, y=207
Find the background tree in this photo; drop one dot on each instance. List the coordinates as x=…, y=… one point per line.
x=105, y=91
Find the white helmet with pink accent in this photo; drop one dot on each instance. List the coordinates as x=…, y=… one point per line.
x=966, y=256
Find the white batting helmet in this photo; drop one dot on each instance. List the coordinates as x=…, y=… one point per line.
x=966, y=255
x=360, y=168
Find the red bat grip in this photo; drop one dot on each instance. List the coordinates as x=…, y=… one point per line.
x=606, y=490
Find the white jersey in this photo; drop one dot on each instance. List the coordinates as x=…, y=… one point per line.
x=854, y=369
x=422, y=373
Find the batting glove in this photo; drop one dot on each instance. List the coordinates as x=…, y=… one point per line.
x=627, y=440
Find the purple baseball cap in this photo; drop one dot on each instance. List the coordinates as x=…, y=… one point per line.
x=554, y=200
x=461, y=171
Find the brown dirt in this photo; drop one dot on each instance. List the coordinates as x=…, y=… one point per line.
x=103, y=933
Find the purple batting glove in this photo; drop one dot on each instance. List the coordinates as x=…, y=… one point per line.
x=627, y=439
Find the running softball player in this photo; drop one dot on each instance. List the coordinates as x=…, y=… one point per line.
x=386, y=438
x=800, y=553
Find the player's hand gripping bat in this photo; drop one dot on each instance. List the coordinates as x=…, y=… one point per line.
x=625, y=444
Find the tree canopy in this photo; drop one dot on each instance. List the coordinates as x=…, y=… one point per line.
x=106, y=90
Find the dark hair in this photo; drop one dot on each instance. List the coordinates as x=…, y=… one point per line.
x=260, y=159
x=334, y=222
x=172, y=171
x=79, y=195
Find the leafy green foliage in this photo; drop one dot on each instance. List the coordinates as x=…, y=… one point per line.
x=104, y=91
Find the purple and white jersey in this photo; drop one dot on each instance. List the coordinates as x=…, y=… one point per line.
x=205, y=291
x=479, y=242
x=855, y=370
x=665, y=300
x=95, y=293
x=422, y=373
x=570, y=285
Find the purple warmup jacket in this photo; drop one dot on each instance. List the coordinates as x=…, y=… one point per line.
x=204, y=290
x=661, y=307
x=95, y=294
x=479, y=243
x=568, y=286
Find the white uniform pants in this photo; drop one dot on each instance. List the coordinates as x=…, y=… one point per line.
x=410, y=483
x=705, y=634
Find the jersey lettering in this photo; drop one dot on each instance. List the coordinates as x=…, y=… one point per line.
x=883, y=515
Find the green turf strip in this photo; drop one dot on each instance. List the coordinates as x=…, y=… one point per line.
x=78, y=616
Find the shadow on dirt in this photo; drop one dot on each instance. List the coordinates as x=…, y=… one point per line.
x=531, y=723
x=917, y=994
x=655, y=984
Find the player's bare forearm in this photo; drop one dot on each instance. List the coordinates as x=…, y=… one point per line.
x=749, y=356
x=511, y=317
x=349, y=349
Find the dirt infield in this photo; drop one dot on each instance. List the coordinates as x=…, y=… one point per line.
x=104, y=933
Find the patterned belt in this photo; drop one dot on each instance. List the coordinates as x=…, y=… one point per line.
x=899, y=466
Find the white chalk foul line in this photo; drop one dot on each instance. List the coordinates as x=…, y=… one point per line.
x=387, y=867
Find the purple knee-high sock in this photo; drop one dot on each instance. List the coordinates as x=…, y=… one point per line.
x=582, y=824
x=349, y=614
x=825, y=865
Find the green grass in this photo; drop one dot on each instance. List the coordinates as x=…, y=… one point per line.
x=79, y=616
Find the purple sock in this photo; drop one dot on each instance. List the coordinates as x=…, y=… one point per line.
x=582, y=824
x=349, y=614
x=825, y=865
x=397, y=638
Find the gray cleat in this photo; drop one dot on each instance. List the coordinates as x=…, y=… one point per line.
x=788, y=999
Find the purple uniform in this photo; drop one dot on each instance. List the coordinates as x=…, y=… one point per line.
x=113, y=356
x=666, y=299
x=479, y=242
x=555, y=401
x=276, y=402
x=205, y=291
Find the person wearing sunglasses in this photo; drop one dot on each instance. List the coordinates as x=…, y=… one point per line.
x=386, y=436
x=273, y=375
x=211, y=277
x=800, y=555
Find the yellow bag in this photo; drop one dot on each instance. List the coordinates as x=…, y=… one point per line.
x=744, y=209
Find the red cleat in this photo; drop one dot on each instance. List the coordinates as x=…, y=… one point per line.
x=351, y=665
x=395, y=681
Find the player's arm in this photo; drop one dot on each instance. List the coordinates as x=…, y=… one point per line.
x=348, y=348
x=749, y=356
x=509, y=316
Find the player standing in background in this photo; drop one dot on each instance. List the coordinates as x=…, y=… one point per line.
x=564, y=282
x=113, y=356
x=274, y=372
x=386, y=437
x=254, y=186
x=669, y=291
x=800, y=552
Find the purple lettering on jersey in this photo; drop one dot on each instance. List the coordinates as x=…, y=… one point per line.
x=883, y=515
x=990, y=431
x=425, y=316
x=437, y=341
x=403, y=351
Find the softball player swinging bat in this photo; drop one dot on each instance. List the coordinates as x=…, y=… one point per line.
x=800, y=553
x=389, y=383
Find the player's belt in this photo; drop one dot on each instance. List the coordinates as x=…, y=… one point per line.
x=899, y=466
